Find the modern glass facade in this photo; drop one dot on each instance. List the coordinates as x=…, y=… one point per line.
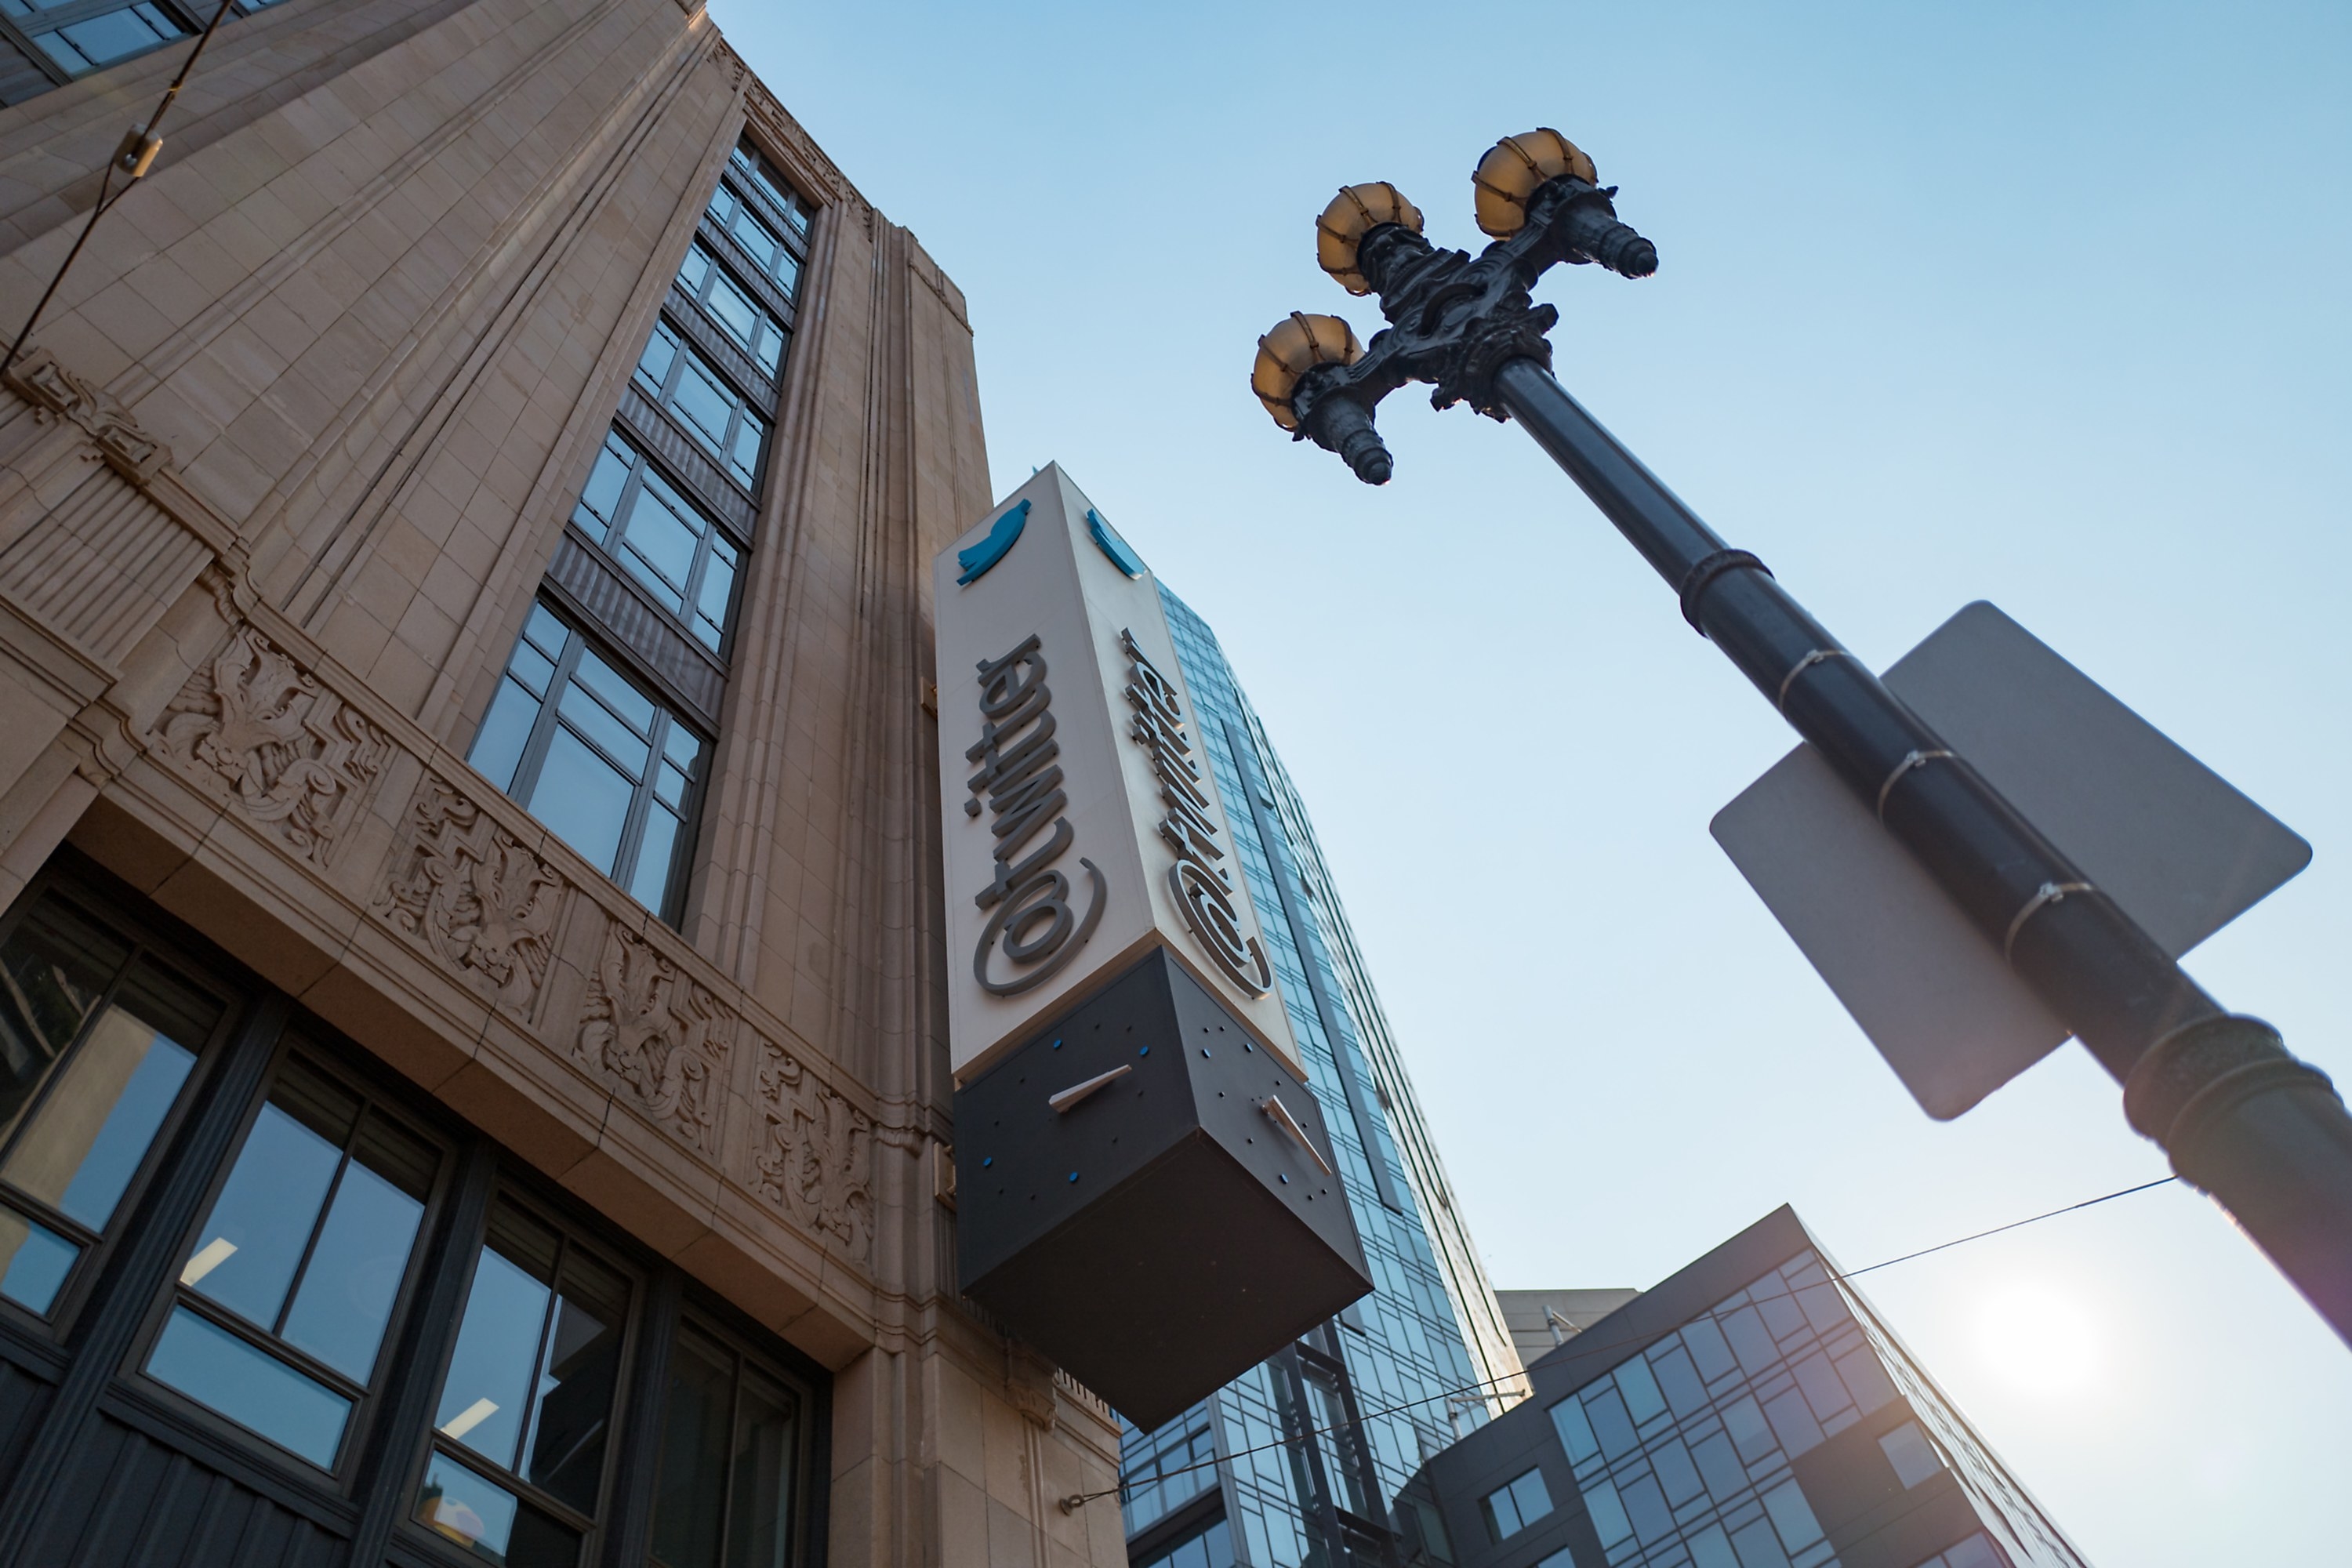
x=1301, y=1461
x=1753, y=1412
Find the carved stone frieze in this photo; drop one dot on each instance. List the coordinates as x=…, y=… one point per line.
x=294, y=756
x=57, y=393
x=660, y=1033
x=474, y=896
x=815, y=1159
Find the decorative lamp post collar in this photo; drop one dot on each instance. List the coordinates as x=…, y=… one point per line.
x=1454, y=319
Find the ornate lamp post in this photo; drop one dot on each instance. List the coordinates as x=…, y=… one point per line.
x=2265, y=1135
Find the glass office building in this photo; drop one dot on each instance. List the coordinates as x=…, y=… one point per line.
x=1752, y=1411
x=1301, y=1461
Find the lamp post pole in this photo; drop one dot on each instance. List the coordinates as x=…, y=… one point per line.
x=2263, y=1133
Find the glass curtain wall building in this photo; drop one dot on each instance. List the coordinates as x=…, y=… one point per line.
x=1301, y=1461
x=1753, y=1411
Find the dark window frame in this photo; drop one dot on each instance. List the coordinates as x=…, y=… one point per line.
x=98, y=1247
x=662, y=397
x=616, y=534
x=189, y=16
x=313, y=1044
x=428, y=1445
x=531, y=765
x=713, y=1320
x=718, y=266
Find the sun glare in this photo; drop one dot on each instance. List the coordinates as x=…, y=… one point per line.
x=2041, y=1340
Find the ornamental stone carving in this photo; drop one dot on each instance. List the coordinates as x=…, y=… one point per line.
x=58, y=393
x=294, y=756
x=815, y=1159
x=474, y=896
x=665, y=1039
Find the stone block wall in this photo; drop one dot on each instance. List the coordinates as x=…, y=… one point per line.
x=278, y=478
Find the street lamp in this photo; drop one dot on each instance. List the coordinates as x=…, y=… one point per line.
x=2265, y=1135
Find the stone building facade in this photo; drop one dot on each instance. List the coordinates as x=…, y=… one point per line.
x=321, y=454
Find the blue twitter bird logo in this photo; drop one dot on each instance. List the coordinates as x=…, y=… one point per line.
x=1107, y=539
x=977, y=560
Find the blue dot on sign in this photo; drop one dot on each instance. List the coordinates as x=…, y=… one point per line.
x=1285, y=1180
x=1205, y=1050
x=1144, y=1052
x=1247, y=1046
x=1057, y=1045
x=1073, y=1176
x=986, y=1162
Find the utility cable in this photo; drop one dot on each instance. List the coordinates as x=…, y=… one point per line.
x=1077, y=1499
x=132, y=159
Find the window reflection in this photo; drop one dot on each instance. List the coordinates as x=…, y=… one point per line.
x=306, y=1246
x=702, y=279
x=95, y=1049
x=613, y=772
x=674, y=375
x=663, y=540
x=531, y=1385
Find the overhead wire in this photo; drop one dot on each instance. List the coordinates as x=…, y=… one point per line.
x=1076, y=1500
x=133, y=157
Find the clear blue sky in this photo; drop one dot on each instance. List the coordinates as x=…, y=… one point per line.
x=2035, y=303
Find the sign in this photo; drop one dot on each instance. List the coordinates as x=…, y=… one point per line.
x=1082, y=820
x=1146, y=1190
x=2179, y=850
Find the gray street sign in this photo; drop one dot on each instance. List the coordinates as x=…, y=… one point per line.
x=2168, y=839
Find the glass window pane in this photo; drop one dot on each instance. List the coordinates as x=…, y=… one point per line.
x=119, y=35
x=83, y=1145
x=713, y=600
x=1799, y=1432
x=743, y=456
x=505, y=729
x=694, y=271
x=788, y=272
x=345, y=1298
x=603, y=491
x=635, y=709
x=1643, y=1399
x=251, y=1388
x=484, y=1399
x=1607, y=1414
x=1707, y=1349
x=1727, y=1478
x=691, y=1499
x=249, y=1248
x=659, y=544
x=1792, y=1516
x=624, y=745
x=1680, y=1381
x=1608, y=1514
x=544, y=631
x=1746, y=1421
x=1575, y=1431
x=733, y=310
x=1758, y=1547
x=577, y=1378
x=649, y=881
x=489, y=1522
x=661, y=354
x=1646, y=1507
x=758, y=1515
x=582, y=798
x=57, y=964
x=1913, y=1457
x=1865, y=1379
x=34, y=1262
x=704, y=400
x=1676, y=1473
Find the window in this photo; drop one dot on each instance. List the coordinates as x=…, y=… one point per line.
x=1913, y=1457
x=660, y=538
x=82, y=38
x=703, y=280
x=97, y=1044
x=286, y=1294
x=1335, y=1437
x=711, y=411
x=773, y=187
x=610, y=771
x=1976, y=1552
x=759, y=241
x=516, y=1471
x=731, y=1460
x=1511, y=1508
x=1212, y=1548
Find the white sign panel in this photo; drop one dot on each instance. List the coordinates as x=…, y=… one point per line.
x=1081, y=818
